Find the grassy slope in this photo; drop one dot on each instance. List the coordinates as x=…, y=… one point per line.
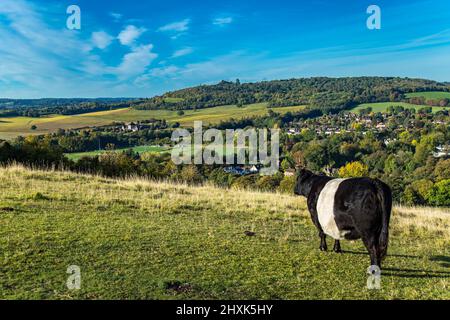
x=430, y=95
x=382, y=106
x=11, y=127
x=133, y=238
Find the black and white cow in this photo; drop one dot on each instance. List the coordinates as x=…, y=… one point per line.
x=348, y=209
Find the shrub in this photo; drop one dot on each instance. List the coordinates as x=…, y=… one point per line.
x=268, y=183
x=244, y=182
x=439, y=195
x=287, y=185
x=418, y=192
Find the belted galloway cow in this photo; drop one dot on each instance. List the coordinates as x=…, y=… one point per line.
x=349, y=209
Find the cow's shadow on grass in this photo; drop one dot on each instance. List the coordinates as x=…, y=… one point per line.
x=389, y=255
x=413, y=273
x=444, y=261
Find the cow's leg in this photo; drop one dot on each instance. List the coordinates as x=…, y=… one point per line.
x=337, y=246
x=315, y=220
x=323, y=241
x=371, y=244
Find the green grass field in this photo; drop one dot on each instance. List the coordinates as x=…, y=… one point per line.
x=13, y=127
x=430, y=95
x=382, y=106
x=139, y=149
x=136, y=239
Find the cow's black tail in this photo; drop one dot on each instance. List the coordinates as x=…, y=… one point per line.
x=385, y=197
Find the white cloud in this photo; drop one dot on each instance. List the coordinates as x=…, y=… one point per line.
x=164, y=71
x=130, y=34
x=156, y=74
x=222, y=21
x=178, y=26
x=182, y=52
x=136, y=62
x=117, y=16
x=101, y=39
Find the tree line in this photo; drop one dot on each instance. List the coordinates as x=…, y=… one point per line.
x=319, y=93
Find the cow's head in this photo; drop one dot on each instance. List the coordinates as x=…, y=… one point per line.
x=302, y=187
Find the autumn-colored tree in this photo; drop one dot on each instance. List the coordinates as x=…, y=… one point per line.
x=354, y=169
x=299, y=158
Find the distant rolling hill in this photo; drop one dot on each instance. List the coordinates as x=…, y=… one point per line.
x=319, y=92
x=15, y=126
x=54, y=102
x=213, y=103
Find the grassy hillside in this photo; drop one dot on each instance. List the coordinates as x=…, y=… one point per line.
x=382, y=106
x=430, y=95
x=145, y=240
x=12, y=127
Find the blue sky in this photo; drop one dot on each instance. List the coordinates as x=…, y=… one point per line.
x=142, y=48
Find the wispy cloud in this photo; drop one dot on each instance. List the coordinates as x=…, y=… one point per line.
x=34, y=55
x=178, y=26
x=136, y=62
x=155, y=74
x=41, y=60
x=116, y=16
x=101, y=39
x=182, y=52
x=222, y=21
x=130, y=34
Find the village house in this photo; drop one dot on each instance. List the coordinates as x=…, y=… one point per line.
x=442, y=151
x=293, y=131
x=131, y=127
x=289, y=172
x=242, y=171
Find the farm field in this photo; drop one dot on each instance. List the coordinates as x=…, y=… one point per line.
x=13, y=127
x=138, y=149
x=137, y=239
x=430, y=95
x=382, y=106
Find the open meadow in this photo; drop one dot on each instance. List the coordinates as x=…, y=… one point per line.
x=137, y=239
x=15, y=126
x=430, y=95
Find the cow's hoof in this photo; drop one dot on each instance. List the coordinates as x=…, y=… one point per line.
x=338, y=251
x=323, y=248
